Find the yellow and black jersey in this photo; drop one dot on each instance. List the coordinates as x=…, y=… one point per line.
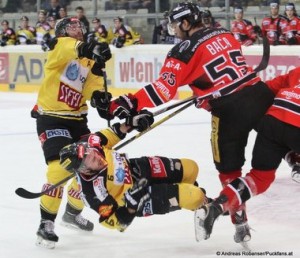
x=8, y=36
x=26, y=36
x=41, y=30
x=104, y=192
x=68, y=81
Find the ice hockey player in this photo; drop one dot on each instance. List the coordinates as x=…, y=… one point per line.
x=242, y=29
x=278, y=134
x=210, y=61
x=73, y=73
x=119, y=188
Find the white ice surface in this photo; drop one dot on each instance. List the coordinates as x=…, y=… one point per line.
x=273, y=216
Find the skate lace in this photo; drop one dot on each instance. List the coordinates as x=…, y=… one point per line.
x=49, y=227
x=81, y=220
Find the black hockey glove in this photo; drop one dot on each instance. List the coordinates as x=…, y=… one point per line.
x=116, y=127
x=100, y=52
x=119, y=42
x=124, y=106
x=142, y=121
x=136, y=197
x=101, y=101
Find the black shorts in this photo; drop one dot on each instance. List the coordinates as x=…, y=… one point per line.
x=55, y=133
x=233, y=117
x=274, y=139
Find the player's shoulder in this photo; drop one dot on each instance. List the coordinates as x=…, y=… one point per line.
x=185, y=50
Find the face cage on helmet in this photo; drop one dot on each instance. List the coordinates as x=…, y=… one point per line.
x=84, y=170
x=62, y=32
x=171, y=27
x=80, y=25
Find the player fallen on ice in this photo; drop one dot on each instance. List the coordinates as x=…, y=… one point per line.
x=211, y=62
x=119, y=188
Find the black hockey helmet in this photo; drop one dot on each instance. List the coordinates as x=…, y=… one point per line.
x=69, y=159
x=62, y=24
x=186, y=11
x=74, y=157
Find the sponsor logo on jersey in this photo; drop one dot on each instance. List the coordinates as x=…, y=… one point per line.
x=121, y=169
x=148, y=209
x=184, y=45
x=69, y=96
x=74, y=193
x=57, y=133
x=42, y=138
x=157, y=167
x=105, y=210
x=290, y=95
x=172, y=64
x=72, y=71
x=100, y=189
x=163, y=89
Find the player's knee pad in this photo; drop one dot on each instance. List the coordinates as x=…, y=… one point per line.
x=190, y=197
x=56, y=172
x=51, y=201
x=190, y=171
x=74, y=198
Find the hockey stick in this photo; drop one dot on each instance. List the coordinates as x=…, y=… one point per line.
x=262, y=65
x=179, y=103
x=154, y=125
x=266, y=56
x=30, y=195
x=105, y=90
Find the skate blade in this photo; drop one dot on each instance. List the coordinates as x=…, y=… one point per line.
x=73, y=227
x=296, y=177
x=200, y=232
x=41, y=242
x=245, y=245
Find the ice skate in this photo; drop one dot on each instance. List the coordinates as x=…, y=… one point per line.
x=296, y=173
x=242, y=230
x=46, y=236
x=76, y=221
x=205, y=218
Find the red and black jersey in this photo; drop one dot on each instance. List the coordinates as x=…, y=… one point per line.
x=273, y=29
x=243, y=32
x=286, y=106
x=210, y=60
x=292, y=30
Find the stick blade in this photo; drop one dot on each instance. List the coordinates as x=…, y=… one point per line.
x=26, y=194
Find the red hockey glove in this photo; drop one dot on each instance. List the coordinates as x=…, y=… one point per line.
x=124, y=106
